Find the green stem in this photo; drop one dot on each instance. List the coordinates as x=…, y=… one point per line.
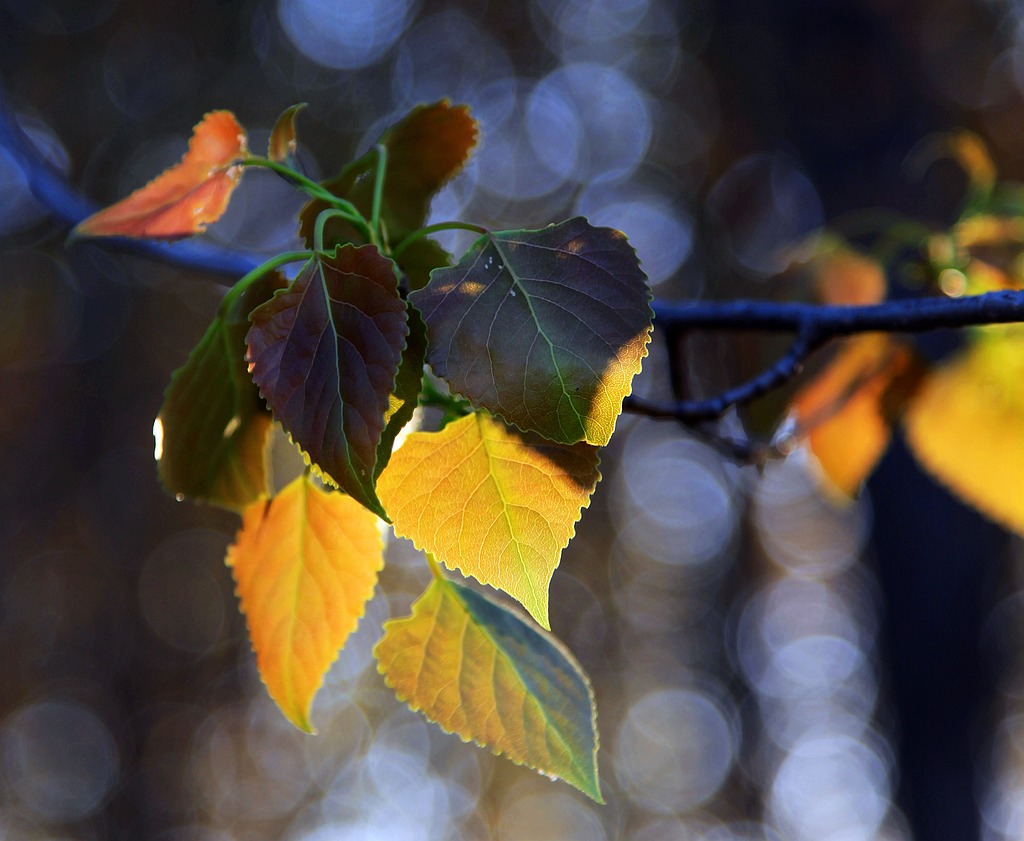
x=247, y=280
x=325, y=216
x=435, y=568
x=378, y=190
x=297, y=179
x=433, y=229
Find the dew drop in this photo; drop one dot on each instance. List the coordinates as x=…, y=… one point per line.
x=179, y=497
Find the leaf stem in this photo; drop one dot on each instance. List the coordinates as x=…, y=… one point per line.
x=247, y=280
x=433, y=229
x=356, y=221
x=378, y=190
x=435, y=568
x=453, y=407
x=297, y=179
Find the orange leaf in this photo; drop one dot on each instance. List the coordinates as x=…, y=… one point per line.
x=283, y=141
x=305, y=563
x=184, y=199
x=845, y=277
x=843, y=412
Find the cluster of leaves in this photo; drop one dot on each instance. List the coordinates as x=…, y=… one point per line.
x=959, y=415
x=537, y=335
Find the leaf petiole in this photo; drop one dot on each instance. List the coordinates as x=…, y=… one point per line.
x=356, y=221
x=435, y=567
x=270, y=265
x=452, y=407
x=307, y=185
x=433, y=229
x=378, y=189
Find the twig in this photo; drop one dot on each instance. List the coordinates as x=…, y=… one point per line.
x=813, y=324
x=907, y=315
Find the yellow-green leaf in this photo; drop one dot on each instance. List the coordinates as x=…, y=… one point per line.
x=495, y=503
x=482, y=672
x=965, y=423
x=305, y=564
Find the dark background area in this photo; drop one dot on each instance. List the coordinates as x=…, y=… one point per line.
x=768, y=663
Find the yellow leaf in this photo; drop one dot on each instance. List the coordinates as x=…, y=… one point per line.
x=965, y=426
x=305, y=564
x=497, y=504
x=480, y=671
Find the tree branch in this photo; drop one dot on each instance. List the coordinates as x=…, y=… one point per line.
x=907, y=315
x=812, y=324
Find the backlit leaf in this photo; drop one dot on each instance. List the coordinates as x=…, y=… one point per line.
x=325, y=353
x=405, y=397
x=545, y=328
x=426, y=149
x=184, y=199
x=213, y=426
x=283, y=142
x=480, y=671
x=844, y=276
x=489, y=501
x=846, y=412
x=305, y=564
x=965, y=425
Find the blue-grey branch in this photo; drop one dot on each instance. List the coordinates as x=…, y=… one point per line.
x=812, y=324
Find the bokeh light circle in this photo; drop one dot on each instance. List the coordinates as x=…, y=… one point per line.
x=344, y=36
x=674, y=749
x=59, y=759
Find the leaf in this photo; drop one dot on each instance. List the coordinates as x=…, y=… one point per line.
x=495, y=504
x=481, y=672
x=426, y=149
x=964, y=425
x=544, y=328
x=405, y=397
x=283, y=142
x=844, y=276
x=325, y=353
x=184, y=199
x=305, y=564
x=212, y=430
x=419, y=259
x=846, y=412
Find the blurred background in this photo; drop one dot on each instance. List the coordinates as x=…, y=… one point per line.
x=770, y=663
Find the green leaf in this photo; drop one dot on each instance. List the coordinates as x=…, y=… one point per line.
x=497, y=504
x=426, y=149
x=420, y=259
x=325, y=353
x=483, y=673
x=212, y=429
x=545, y=328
